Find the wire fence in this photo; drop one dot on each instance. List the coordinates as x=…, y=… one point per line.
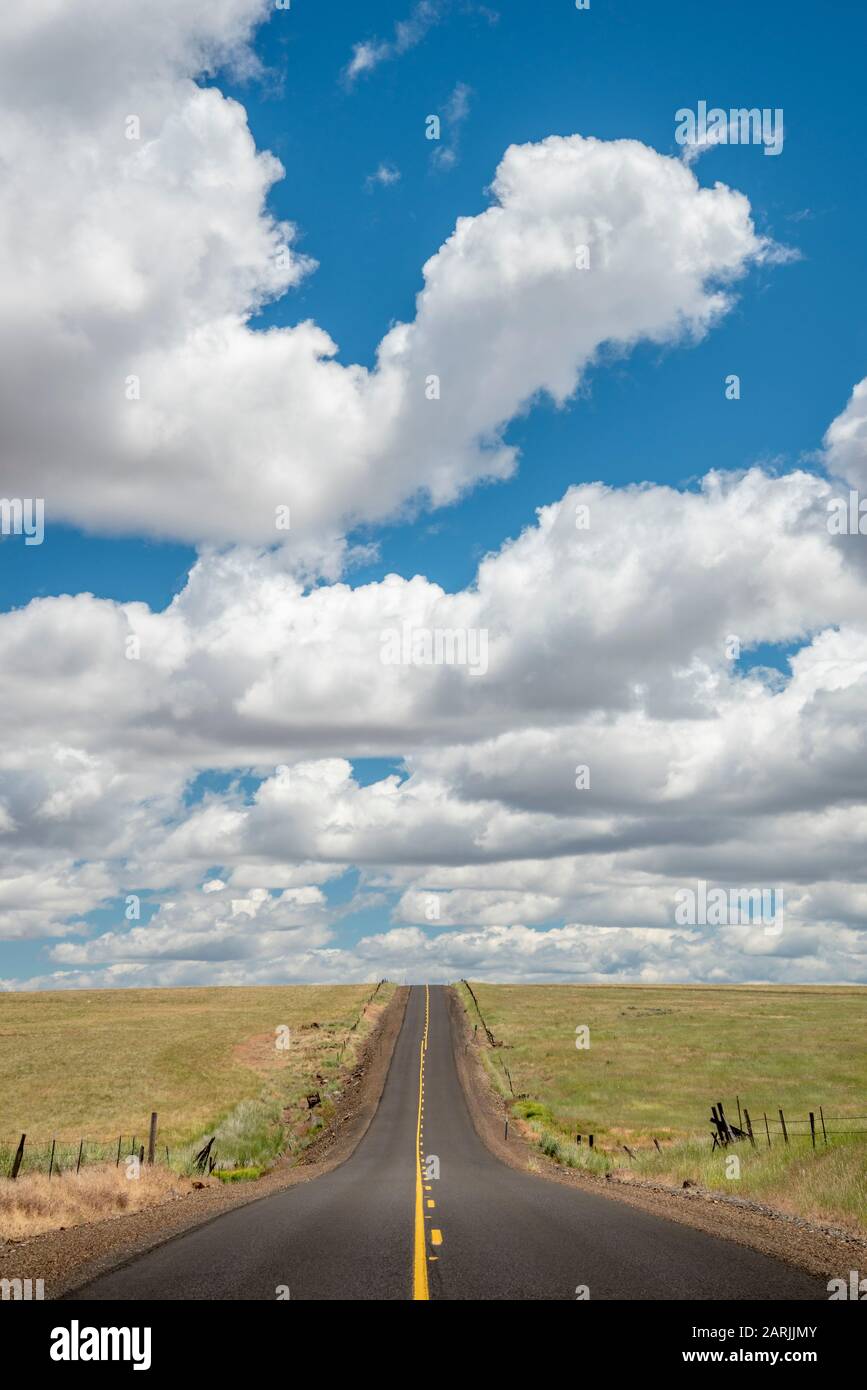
x=762, y=1128
x=55, y=1156
x=24, y=1154
x=802, y=1128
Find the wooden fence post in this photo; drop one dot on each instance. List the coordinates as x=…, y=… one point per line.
x=491, y=1038
x=813, y=1128
x=738, y=1102
x=152, y=1138
x=51, y=1163
x=658, y=1149
x=80, y=1151
x=783, y=1123
x=822, y=1118
x=19, y=1155
x=590, y=1140
x=201, y=1159
x=767, y=1130
x=726, y=1131
x=749, y=1126
x=119, y=1142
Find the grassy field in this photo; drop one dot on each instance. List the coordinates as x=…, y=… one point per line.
x=660, y=1056
x=95, y=1064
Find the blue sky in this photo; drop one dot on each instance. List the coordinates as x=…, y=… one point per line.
x=615, y=71
x=656, y=414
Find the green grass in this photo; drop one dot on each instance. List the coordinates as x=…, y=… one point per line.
x=238, y=1174
x=659, y=1056
x=96, y=1063
x=829, y=1183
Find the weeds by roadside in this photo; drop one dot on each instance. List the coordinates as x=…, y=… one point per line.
x=31, y=1205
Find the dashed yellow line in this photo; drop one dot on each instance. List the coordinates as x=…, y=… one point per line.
x=420, y=1291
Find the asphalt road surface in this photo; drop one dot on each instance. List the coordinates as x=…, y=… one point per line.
x=382, y=1226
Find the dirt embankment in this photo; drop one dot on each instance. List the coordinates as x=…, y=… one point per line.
x=66, y=1259
x=821, y=1250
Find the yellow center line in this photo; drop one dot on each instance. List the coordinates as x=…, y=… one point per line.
x=420, y=1289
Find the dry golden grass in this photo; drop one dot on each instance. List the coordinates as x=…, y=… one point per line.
x=32, y=1204
x=206, y=1059
x=96, y=1063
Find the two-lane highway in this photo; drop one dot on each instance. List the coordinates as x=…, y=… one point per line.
x=423, y=1210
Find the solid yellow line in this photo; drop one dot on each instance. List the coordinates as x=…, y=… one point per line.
x=420, y=1291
